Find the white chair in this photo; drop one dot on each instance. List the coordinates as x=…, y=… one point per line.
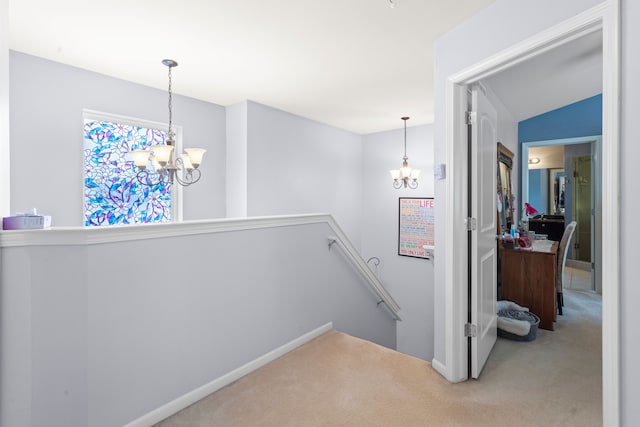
x=563, y=248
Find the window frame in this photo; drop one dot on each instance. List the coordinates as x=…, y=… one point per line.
x=176, y=189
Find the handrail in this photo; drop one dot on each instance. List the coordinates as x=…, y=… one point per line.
x=101, y=235
x=354, y=256
x=375, y=259
x=376, y=263
x=123, y=233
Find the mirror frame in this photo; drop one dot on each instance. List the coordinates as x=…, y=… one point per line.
x=505, y=216
x=555, y=190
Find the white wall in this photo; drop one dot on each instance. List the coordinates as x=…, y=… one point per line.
x=5, y=165
x=47, y=101
x=297, y=165
x=410, y=280
x=236, y=179
x=630, y=206
x=277, y=163
x=87, y=346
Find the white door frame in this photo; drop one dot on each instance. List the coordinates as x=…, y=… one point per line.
x=603, y=17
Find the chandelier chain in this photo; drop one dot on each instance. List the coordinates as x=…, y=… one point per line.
x=170, y=107
x=405, y=136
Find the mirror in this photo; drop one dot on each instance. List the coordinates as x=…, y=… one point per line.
x=556, y=191
x=505, y=198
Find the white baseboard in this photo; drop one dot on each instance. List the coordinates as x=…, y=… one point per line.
x=439, y=367
x=192, y=397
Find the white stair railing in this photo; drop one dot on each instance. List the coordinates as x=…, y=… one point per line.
x=372, y=280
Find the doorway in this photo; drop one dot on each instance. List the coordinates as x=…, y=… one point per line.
x=582, y=207
x=574, y=193
x=605, y=18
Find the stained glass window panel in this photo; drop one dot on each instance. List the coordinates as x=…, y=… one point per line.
x=112, y=193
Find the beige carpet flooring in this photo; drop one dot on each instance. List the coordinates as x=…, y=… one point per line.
x=339, y=380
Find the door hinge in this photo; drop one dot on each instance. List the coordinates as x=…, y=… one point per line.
x=470, y=117
x=471, y=224
x=470, y=330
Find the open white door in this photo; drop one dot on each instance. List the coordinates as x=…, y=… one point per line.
x=483, y=235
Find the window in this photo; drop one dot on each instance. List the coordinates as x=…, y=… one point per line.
x=112, y=193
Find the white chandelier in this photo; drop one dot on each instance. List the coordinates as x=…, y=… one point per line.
x=405, y=176
x=183, y=169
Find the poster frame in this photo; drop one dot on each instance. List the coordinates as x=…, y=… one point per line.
x=404, y=237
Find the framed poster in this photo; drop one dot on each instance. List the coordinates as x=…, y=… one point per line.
x=415, y=226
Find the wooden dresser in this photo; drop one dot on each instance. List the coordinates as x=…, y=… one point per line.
x=528, y=278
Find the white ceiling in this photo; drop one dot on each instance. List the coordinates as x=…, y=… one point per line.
x=549, y=156
x=561, y=76
x=359, y=65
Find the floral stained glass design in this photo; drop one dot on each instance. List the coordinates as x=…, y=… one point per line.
x=112, y=193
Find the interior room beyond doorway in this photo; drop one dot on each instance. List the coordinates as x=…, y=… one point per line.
x=563, y=182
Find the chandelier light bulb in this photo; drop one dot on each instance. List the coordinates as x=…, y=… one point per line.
x=140, y=158
x=195, y=155
x=155, y=164
x=186, y=162
x=162, y=153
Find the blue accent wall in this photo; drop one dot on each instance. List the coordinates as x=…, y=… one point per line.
x=582, y=118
